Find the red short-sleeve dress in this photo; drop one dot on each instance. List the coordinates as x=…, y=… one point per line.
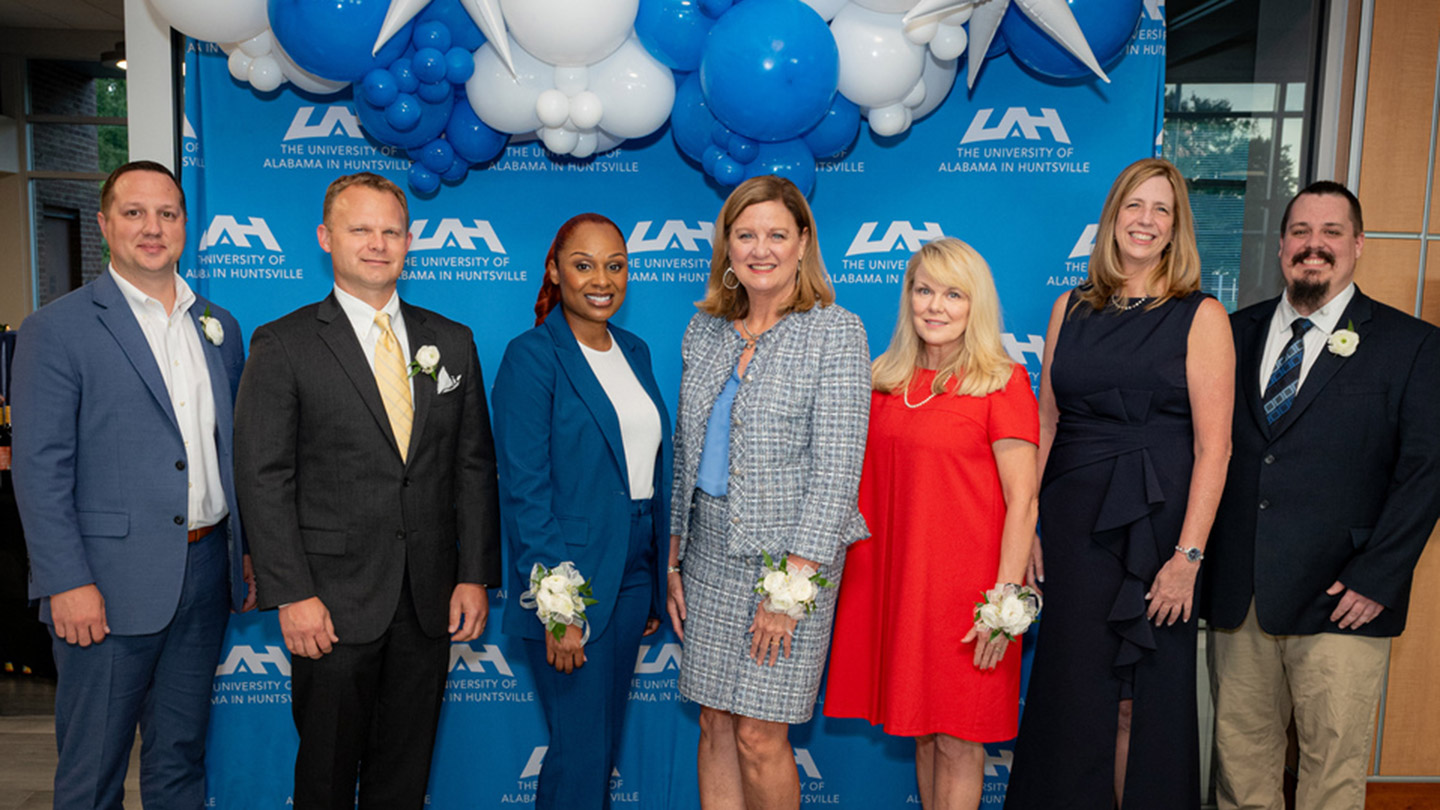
x=930, y=493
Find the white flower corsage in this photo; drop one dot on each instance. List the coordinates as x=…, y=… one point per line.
x=1343, y=341
x=427, y=359
x=214, y=332
x=1007, y=609
x=559, y=597
x=788, y=591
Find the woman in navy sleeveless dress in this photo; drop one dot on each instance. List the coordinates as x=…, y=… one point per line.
x=1135, y=403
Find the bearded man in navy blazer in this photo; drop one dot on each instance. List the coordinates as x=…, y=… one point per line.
x=365, y=461
x=123, y=395
x=1333, y=490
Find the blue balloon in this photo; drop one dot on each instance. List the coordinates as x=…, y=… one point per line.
x=457, y=171
x=769, y=69
x=712, y=156
x=728, y=171
x=436, y=155
x=720, y=135
x=433, y=118
x=333, y=40
x=464, y=33
x=690, y=120
x=715, y=8
x=379, y=87
x=433, y=92
x=673, y=31
x=423, y=180
x=404, y=76
x=459, y=65
x=472, y=140
x=428, y=64
x=404, y=113
x=789, y=159
x=1108, y=26
x=741, y=148
x=836, y=131
x=432, y=34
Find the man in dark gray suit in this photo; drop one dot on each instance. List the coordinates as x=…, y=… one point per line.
x=1333, y=490
x=365, y=460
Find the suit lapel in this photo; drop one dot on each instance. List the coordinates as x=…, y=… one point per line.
x=115, y=314
x=419, y=333
x=336, y=332
x=1327, y=364
x=1250, y=354
x=577, y=369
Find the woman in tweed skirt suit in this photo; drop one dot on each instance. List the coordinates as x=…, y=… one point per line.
x=769, y=439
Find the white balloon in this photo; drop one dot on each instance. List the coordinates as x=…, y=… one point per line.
x=939, y=77
x=958, y=17
x=921, y=33
x=552, y=108
x=560, y=140
x=215, y=20
x=504, y=102
x=239, y=64
x=891, y=119
x=302, y=78
x=604, y=141
x=585, y=144
x=265, y=74
x=878, y=65
x=949, y=42
x=586, y=110
x=570, y=32
x=259, y=45
x=572, y=80
x=887, y=6
x=826, y=8
x=916, y=95
x=635, y=89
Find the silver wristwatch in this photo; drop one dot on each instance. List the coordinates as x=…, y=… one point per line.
x=1192, y=554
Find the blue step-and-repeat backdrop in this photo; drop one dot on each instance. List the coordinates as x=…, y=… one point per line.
x=1018, y=167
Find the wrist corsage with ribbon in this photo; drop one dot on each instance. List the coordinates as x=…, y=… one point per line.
x=788, y=590
x=1007, y=608
x=559, y=597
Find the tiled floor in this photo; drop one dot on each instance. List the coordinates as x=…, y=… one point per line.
x=27, y=745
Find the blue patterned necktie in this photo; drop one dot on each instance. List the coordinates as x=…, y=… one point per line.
x=1285, y=379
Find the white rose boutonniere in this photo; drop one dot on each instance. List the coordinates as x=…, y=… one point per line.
x=1343, y=341
x=789, y=591
x=558, y=596
x=214, y=332
x=427, y=360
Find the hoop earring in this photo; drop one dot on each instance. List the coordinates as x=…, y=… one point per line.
x=725, y=279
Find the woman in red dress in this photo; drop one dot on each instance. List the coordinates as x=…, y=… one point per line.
x=949, y=492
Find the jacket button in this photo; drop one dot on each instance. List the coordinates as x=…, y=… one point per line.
x=1270, y=458
x=405, y=482
x=179, y=520
x=1264, y=504
x=180, y=465
x=400, y=535
x=735, y=520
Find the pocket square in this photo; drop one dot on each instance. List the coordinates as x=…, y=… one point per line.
x=444, y=383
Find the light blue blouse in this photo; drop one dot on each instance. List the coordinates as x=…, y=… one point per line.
x=714, y=478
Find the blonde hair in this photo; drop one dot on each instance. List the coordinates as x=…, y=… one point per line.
x=812, y=283
x=368, y=180
x=1178, y=272
x=981, y=364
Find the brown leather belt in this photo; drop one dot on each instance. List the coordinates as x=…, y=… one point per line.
x=201, y=533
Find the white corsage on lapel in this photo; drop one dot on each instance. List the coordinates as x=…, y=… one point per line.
x=444, y=383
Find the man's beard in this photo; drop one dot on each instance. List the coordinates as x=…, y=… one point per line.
x=1303, y=293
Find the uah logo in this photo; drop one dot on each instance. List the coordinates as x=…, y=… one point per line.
x=466, y=657
x=1034, y=344
x=1155, y=10
x=337, y=119
x=451, y=232
x=227, y=230
x=673, y=232
x=898, y=234
x=188, y=131
x=999, y=760
x=806, y=764
x=532, y=765
x=246, y=660
x=1016, y=118
x=655, y=659
x=1085, y=245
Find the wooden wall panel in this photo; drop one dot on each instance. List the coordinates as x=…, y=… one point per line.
x=1430, y=305
x=1412, y=697
x=1389, y=269
x=1400, y=96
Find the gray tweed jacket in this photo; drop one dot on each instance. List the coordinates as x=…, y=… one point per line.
x=797, y=431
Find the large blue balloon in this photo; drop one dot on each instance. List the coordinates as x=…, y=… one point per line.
x=690, y=120
x=1108, y=26
x=836, y=131
x=789, y=159
x=333, y=40
x=769, y=69
x=673, y=31
x=472, y=140
x=433, y=118
x=463, y=30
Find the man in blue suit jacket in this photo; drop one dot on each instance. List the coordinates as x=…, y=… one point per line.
x=1333, y=491
x=123, y=404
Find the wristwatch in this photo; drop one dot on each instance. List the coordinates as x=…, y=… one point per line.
x=1192, y=554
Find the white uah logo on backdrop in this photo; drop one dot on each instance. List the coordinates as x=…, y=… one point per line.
x=897, y=235
x=1016, y=119
x=665, y=657
x=227, y=230
x=336, y=117
x=450, y=232
x=1155, y=10
x=1085, y=245
x=806, y=764
x=672, y=232
x=466, y=657
x=244, y=659
x=1034, y=344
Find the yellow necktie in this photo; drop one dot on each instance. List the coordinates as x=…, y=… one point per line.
x=394, y=385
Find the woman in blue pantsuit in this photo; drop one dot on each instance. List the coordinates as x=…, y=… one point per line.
x=582, y=439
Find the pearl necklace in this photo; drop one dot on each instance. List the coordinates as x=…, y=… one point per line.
x=905, y=395
x=1134, y=302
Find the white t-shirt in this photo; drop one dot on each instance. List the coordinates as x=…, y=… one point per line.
x=639, y=420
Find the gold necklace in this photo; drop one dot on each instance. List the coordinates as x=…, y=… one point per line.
x=750, y=337
x=905, y=395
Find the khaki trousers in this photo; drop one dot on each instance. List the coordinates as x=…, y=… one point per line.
x=1330, y=681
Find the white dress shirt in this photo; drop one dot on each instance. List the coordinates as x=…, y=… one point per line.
x=1325, y=319
x=639, y=419
x=362, y=320
x=175, y=342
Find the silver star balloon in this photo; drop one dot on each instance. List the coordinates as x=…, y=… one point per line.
x=1053, y=16
x=400, y=12
x=487, y=15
